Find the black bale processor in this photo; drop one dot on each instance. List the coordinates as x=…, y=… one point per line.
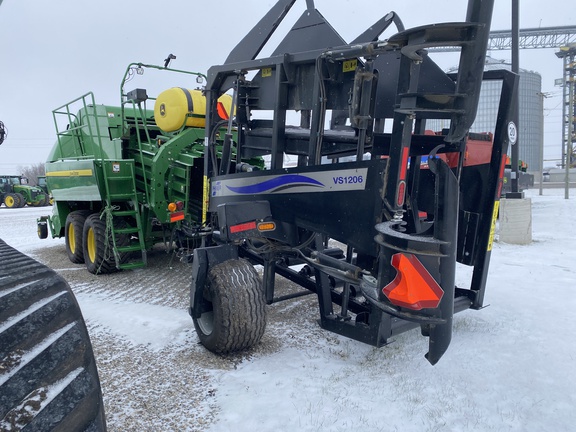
x=374, y=211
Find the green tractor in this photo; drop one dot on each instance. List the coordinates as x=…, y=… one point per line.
x=43, y=184
x=15, y=192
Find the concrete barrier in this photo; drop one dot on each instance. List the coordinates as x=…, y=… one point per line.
x=516, y=221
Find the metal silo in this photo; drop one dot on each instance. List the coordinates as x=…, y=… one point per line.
x=531, y=111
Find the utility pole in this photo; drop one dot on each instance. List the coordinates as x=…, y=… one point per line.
x=516, y=115
x=568, y=55
x=542, y=96
x=515, y=210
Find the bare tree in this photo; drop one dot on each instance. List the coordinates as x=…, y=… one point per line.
x=32, y=172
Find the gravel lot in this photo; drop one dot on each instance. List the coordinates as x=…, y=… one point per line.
x=153, y=386
x=165, y=380
x=156, y=377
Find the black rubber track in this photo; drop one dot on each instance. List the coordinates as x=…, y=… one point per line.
x=238, y=308
x=76, y=219
x=48, y=377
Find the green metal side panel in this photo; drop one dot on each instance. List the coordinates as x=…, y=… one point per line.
x=120, y=178
x=67, y=146
x=96, y=135
x=73, y=180
x=58, y=219
x=170, y=177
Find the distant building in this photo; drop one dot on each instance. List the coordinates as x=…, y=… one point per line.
x=531, y=111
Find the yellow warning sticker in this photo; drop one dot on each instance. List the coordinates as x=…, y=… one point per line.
x=266, y=72
x=205, y=199
x=349, y=65
x=493, y=226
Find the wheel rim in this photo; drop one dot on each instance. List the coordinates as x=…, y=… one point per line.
x=71, y=238
x=91, y=244
x=9, y=201
x=206, y=320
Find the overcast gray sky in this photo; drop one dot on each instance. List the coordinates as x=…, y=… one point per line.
x=56, y=50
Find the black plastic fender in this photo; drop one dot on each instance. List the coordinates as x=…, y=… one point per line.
x=204, y=258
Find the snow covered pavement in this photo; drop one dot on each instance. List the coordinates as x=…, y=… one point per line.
x=509, y=367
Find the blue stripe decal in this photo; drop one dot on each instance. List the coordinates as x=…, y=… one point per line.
x=282, y=182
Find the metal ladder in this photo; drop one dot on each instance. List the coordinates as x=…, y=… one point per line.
x=121, y=188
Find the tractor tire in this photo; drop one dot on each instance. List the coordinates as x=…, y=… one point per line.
x=73, y=235
x=42, y=227
x=48, y=376
x=22, y=200
x=11, y=201
x=234, y=305
x=98, y=249
x=42, y=203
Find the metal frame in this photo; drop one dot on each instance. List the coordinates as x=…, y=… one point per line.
x=373, y=207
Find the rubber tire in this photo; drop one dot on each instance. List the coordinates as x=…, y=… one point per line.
x=22, y=199
x=42, y=229
x=43, y=202
x=11, y=200
x=98, y=256
x=234, y=304
x=73, y=235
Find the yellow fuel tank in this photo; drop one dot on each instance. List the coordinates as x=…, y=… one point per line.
x=177, y=106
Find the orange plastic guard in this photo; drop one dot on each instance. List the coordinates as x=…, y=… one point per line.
x=413, y=287
x=222, y=112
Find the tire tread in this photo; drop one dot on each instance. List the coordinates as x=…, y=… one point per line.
x=237, y=291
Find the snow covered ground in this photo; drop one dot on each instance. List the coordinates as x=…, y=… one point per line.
x=510, y=366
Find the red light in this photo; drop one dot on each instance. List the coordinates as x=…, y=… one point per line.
x=400, y=193
x=413, y=287
x=179, y=205
x=404, y=166
x=242, y=227
x=178, y=216
x=501, y=175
